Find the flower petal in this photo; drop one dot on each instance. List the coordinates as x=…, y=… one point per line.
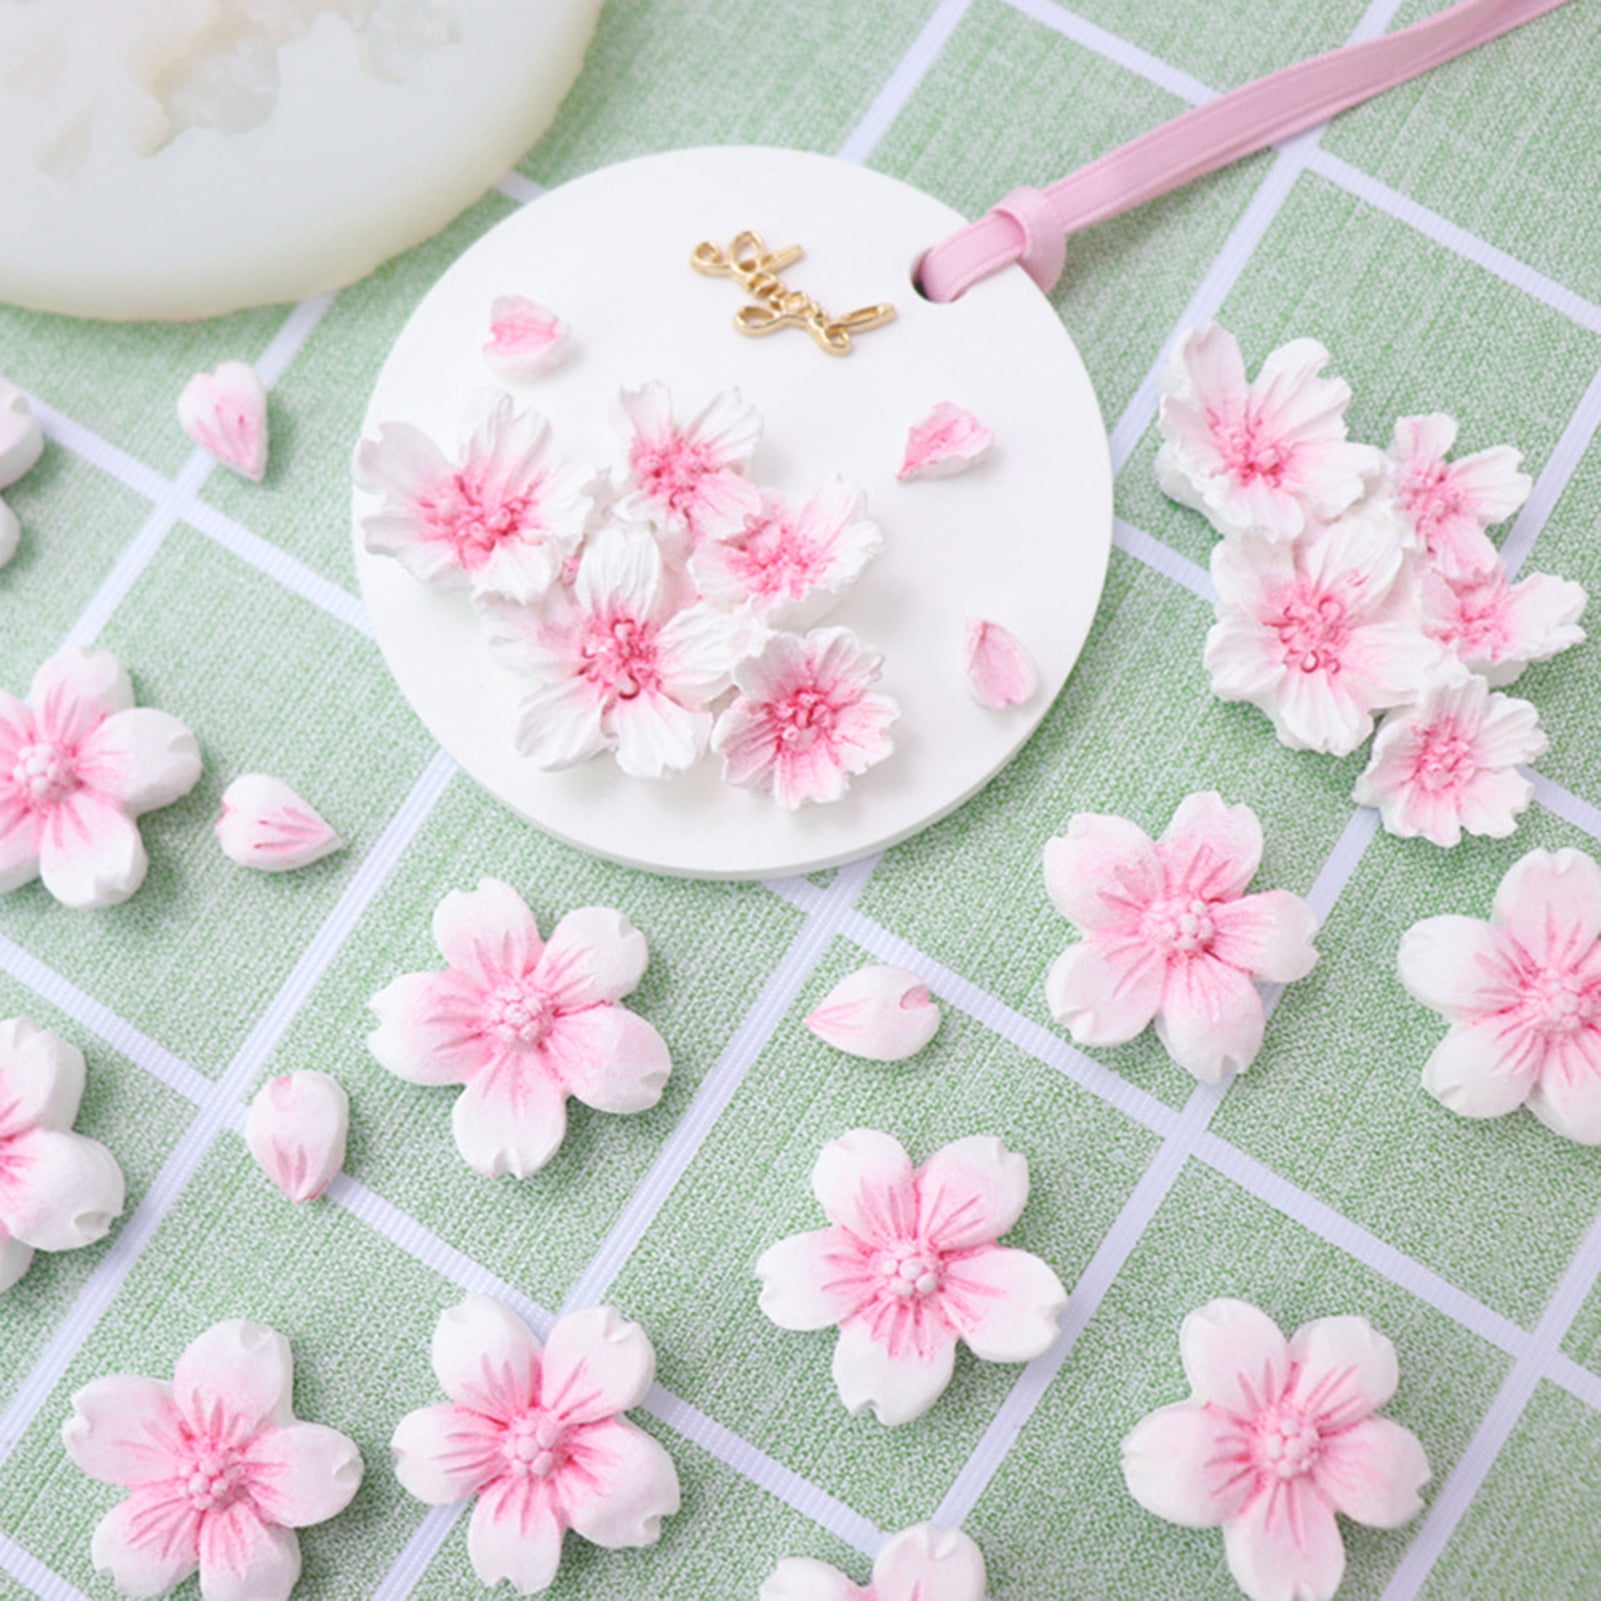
x=1345, y=1369
x=486, y=1358
x=1234, y=1356
x=1102, y=872
x=443, y=1454
x=1567, y=1098
x=595, y=954
x=1210, y=849
x=1285, y=1546
x=811, y=1281
x=304, y=1473
x=15, y=1259
x=1268, y=935
x=90, y=853
x=1473, y=1073
x=238, y=1373
x=1373, y=1473
x=59, y=1190
x=1004, y=1303
x=656, y=736
x=805, y=1579
x=19, y=843
x=923, y=1562
x=895, y=1388
x=515, y=1535
x=560, y=723
x=596, y=1364
x=74, y=690
x=148, y=1544
x=1550, y=903
x=1182, y=1463
x=1454, y=965
x=511, y=1123
x=1105, y=990
x=609, y=1058
x=244, y=1559
x=970, y=1192
x=41, y=1078
x=142, y=758
x=124, y=1430
x=487, y=932
x=1211, y=1020
x=864, y=1182
x=626, y=1486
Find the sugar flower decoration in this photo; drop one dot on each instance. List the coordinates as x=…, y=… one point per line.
x=525, y=338
x=10, y=533
x=21, y=438
x=1447, y=506
x=1318, y=634
x=918, y=1564
x=1170, y=934
x=1496, y=628
x=296, y=1131
x=1264, y=457
x=225, y=413
x=948, y=440
x=1448, y=765
x=523, y=1024
x=879, y=1013
x=266, y=825
x=622, y=666
x=690, y=481
x=58, y=1190
x=538, y=1436
x=1000, y=672
x=1522, y=993
x=501, y=520
x=1276, y=1438
x=806, y=719
x=909, y=1266
x=77, y=765
x=221, y=1472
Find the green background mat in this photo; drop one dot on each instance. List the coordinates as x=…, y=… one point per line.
x=1445, y=243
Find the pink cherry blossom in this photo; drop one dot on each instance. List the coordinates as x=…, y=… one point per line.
x=221, y=1471
x=1496, y=628
x=525, y=338
x=690, y=481
x=1447, y=506
x=225, y=412
x=1448, y=765
x=789, y=565
x=58, y=1190
x=77, y=765
x=909, y=1266
x=918, y=1564
x=948, y=440
x=1262, y=458
x=1000, y=672
x=538, y=1436
x=1319, y=633
x=523, y=1024
x=622, y=664
x=501, y=520
x=1522, y=993
x=806, y=719
x=1171, y=935
x=1276, y=1438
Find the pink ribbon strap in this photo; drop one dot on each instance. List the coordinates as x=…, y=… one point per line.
x=1032, y=225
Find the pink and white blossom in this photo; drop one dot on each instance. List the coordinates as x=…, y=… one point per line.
x=788, y=566
x=1171, y=935
x=623, y=665
x=689, y=481
x=1496, y=628
x=77, y=765
x=500, y=520
x=948, y=440
x=1319, y=633
x=525, y=338
x=1447, y=506
x=225, y=412
x=1449, y=765
x=221, y=1472
x=1000, y=672
x=296, y=1131
x=806, y=719
x=58, y=1190
x=264, y=824
x=1263, y=458
x=523, y=1023
x=918, y=1564
x=909, y=1266
x=1522, y=993
x=1276, y=1438
x=21, y=437
x=879, y=1013
x=538, y=1436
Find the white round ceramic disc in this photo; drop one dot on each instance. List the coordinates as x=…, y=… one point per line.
x=179, y=158
x=1022, y=538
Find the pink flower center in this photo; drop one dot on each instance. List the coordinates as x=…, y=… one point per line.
x=1428, y=499
x=1249, y=452
x=44, y=773
x=1313, y=631
x=535, y=1446
x=776, y=562
x=1285, y=1442
x=1479, y=625
x=620, y=656
x=1181, y=926
x=1444, y=757
x=519, y=1013
x=908, y=1269
x=474, y=527
x=212, y=1480
x=1559, y=1002
x=804, y=717
x=672, y=472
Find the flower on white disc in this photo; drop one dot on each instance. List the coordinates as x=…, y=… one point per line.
x=918, y=1564
x=910, y=1266
x=1276, y=1438
x=1448, y=765
x=58, y=1190
x=1319, y=633
x=622, y=664
x=501, y=520
x=1447, y=506
x=1522, y=993
x=1264, y=457
x=525, y=338
x=1496, y=628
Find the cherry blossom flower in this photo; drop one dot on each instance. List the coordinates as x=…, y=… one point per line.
x=1276, y=1438
x=58, y=1190
x=1262, y=458
x=788, y=566
x=525, y=338
x=918, y=1564
x=879, y=1013
x=1496, y=628
x=225, y=413
x=1446, y=506
x=1170, y=934
x=1522, y=993
x=690, y=480
x=501, y=520
x=296, y=1131
x=77, y=765
x=806, y=720
x=1449, y=764
x=1319, y=633
x=538, y=1437
x=622, y=665
x=264, y=824
x=909, y=1266
x=221, y=1471
x=523, y=1024
x=999, y=671
x=948, y=440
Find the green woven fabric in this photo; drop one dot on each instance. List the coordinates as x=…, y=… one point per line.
x=1444, y=243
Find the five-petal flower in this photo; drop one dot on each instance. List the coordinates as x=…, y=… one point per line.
x=1494, y=627
x=918, y=1564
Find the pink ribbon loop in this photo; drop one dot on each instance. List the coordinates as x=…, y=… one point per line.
x=1042, y=240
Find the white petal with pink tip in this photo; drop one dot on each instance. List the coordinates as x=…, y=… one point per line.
x=225, y=412
x=948, y=440
x=999, y=671
x=266, y=825
x=296, y=1130
x=525, y=338
x=880, y=1013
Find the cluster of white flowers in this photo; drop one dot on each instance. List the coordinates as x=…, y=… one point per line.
x=1352, y=581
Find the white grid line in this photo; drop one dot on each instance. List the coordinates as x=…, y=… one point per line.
x=903, y=82
x=28, y=1570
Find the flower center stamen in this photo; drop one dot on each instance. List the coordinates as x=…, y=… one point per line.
x=620, y=656
x=44, y=773
x=212, y=1481
x=1183, y=925
x=909, y=1270
x=1287, y=1443
x=535, y=1446
x=518, y=1013
x=1313, y=633
x=1445, y=758
x=1560, y=1004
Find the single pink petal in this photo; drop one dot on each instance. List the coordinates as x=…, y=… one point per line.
x=1344, y=1369
x=90, y=853
x=1210, y=849
x=296, y=1130
x=1476, y=1071
x=1373, y=1472
x=124, y=1430
x=1103, y=872
x=1189, y=1464
x=1267, y=935
x=622, y=1484
x=486, y=1358
x=1550, y=904
x=266, y=825
x=58, y=1190
x=244, y=1559
x=1456, y=965
x=879, y=1013
x=428, y=1028
x=948, y=440
x=609, y=1057
x=515, y=1535
x=512, y=1123
x=142, y=758
x=863, y=1181
x=41, y=1078
x=1211, y=1020
x=895, y=1387
x=234, y=1380
x=594, y=954
x=225, y=412
x=929, y=1564
x=1285, y=1546
x=596, y=1364
x=1567, y=1098
x=1106, y=990
x=487, y=932
x=814, y=1280
x=302, y=1474
x=74, y=691
x=443, y=1454
x=525, y=338
x=1234, y=1357
x=1005, y=1304
x=150, y=1543
x=970, y=1192
x=806, y=1579
x=999, y=671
